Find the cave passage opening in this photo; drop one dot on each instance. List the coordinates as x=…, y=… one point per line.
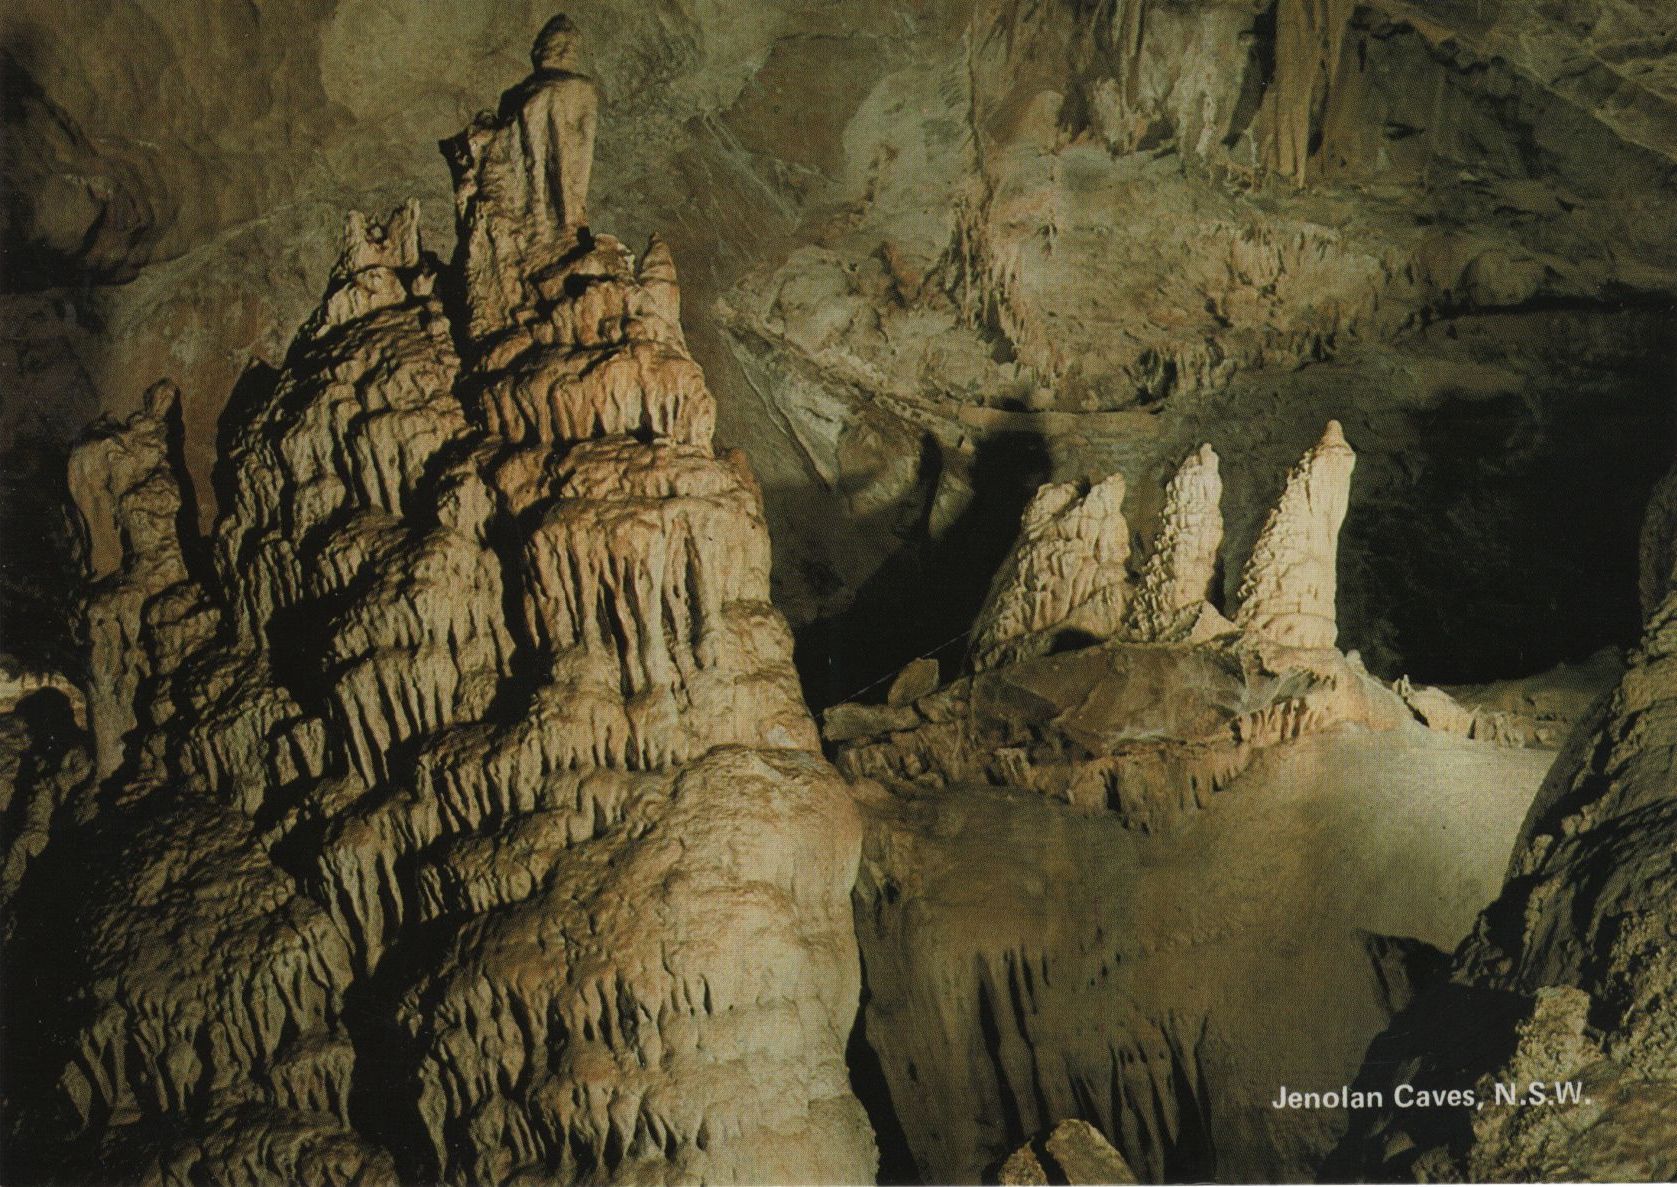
x=1509, y=541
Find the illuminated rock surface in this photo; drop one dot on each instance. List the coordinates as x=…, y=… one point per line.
x=1146, y=883
x=1569, y=973
x=462, y=819
x=442, y=804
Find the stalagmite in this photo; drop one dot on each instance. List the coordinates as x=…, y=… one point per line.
x=1171, y=597
x=126, y=483
x=658, y=279
x=521, y=180
x=482, y=720
x=1287, y=592
x=1065, y=577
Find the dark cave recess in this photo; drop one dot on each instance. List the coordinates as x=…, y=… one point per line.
x=1506, y=459
x=1508, y=542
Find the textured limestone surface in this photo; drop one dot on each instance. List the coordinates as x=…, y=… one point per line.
x=1072, y=1152
x=1570, y=970
x=1136, y=694
x=404, y=773
x=451, y=813
x=1147, y=879
x=939, y=253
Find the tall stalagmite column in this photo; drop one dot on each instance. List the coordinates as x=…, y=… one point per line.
x=463, y=821
x=1288, y=589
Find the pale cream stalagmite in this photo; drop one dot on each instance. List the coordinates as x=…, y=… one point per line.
x=1171, y=598
x=1287, y=591
x=317, y=548
x=1185, y=698
x=1066, y=576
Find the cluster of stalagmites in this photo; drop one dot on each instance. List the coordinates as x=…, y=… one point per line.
x=1110, y=686
x=460, y=816
x=1067, y=577
x=1183, y=696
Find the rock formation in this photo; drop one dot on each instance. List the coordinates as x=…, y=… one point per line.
x=1569, y=972
x=1287, y=591
x=1171, y=599
x=1139, y=801
x=521, y=180
x=1074, y=1152
x=403, y=771
x=1183, y=699
x=1065, y=578
x=125, y=481
x=461, y=817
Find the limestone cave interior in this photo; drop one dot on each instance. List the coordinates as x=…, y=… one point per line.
x=908, y=591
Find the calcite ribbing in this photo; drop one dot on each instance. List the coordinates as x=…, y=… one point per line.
x=1287, y=590
x=463, y=819
x=1065, y=577
x=1172, y=595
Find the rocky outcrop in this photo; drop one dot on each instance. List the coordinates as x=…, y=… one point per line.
x=1570, y=968
x=1029, y=961
x=461, y=819
x=1139, y=801
x=1073, y=1152
x=1287, y=592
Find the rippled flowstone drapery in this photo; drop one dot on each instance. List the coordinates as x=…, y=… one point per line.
x=461, y=819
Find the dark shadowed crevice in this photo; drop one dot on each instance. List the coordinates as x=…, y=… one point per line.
x=925, y=597
x=869, y=1083
x=1512, y=544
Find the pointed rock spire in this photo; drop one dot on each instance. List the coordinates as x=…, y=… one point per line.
x=658, y=277
x=1177, y=576
x=1287, y=592
x=1066, y=574
x=125, y=480
x=521, y=177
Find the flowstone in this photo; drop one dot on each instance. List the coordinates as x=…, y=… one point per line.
x=461, y=820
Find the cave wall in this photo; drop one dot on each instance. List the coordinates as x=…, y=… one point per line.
x=933, y=257
x=940, y=252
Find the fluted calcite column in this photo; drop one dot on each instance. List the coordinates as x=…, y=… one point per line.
x=1288, y=590
x=656, y=979
x=1065, y=575
x=1176, y=580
